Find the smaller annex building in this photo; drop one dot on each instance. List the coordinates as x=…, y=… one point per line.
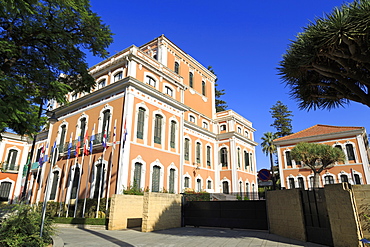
x=352, y=140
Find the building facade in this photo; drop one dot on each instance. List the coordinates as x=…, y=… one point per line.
x=150, y=123
x=352, y=140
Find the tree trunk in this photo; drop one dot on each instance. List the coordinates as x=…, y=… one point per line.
x=316, y=180
x=272, y=172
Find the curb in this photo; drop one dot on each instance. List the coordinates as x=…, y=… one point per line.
x=57, y=241
x=96, y=227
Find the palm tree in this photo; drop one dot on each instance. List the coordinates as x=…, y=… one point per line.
x=269, y=148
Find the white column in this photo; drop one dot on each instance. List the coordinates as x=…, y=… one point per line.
x=364, y=158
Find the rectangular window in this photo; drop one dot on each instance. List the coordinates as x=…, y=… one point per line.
x=246, y=159
x=155, y=178
x=173, y=134
x=191, y=79
x=168, y=91
x=54, y=185
x=208, y=156
x=186, y=182
x=198, y=153
x=186, y=147
x=209, y=184
x=137, y=176
x=5, y=191
x=223, y=158
x=171, y=187
x=140, y=123
x=158, y=129
x=62, y=139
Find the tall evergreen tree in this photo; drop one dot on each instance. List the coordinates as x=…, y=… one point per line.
x=283, y=121
x=220, y=104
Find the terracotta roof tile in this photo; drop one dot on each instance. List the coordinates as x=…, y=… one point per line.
x=318, y=129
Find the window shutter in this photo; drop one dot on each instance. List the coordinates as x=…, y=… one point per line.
x=155, y=178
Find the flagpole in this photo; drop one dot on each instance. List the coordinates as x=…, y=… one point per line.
x=79, y=182
x=45, y=159
x=35, y=186
x=101, y=171
x=70, y=190
x=65, y=175
x=111, y=166
x=88, y=170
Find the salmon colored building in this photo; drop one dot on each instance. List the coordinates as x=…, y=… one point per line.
x=352, y=140
x=150, y=123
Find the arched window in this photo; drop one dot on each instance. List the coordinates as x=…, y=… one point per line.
x=118, y=76
x=350, y=153
x=137, y=176
x=191, y=79
x=101, y=84
x=171, y=187
x=199, y=185
x=155, y=178
x=54, y=185
x=158, y=129
x=105, y=124
x=223, y=156
x=223, y=127
x=187, y=148
x=203, y=88
x=173, y=134
x=300, y=183
x=177, y=67
x=150, y=80
x=198, y=147
x=246, y=159
x=238, y=154
x=225, y=187
x=208, y=156
x=291, y=183
x=186, y=182
x=62, y=139
x=140, y=123
x=288, y=158
x=99, y=181
x=357, y=179
x=11, y=160
x=209, y=184
x=5, y=190
x=329, y=179
x=75, y=183
x=168, y=90
x=344, y=178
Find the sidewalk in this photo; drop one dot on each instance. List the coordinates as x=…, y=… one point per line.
x=185, y=236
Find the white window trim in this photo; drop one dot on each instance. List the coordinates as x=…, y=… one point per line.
x=175, y=185
x=116, y=72
x=200, y=153
x=190, y=183
x=50, y=183
x=328, y=174
x=17, y=163
x=101, y=118
x=11, y=196
x=71, y=175
x=192, y=116
x=228, y=156
x=170, y=87
x=190, y=149
x=148, y=74
x=196, y=183
x=140, y=160
x=146, y=120
x=161, y=174
x=210, y=156
x=176, y=133
x=78, y=127
x=163, y=127
x=105, y=176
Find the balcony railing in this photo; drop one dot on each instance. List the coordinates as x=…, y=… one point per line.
x=5, y=167
x=63, y=148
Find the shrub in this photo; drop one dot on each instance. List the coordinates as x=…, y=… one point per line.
x=22, y=228
x=197, y=196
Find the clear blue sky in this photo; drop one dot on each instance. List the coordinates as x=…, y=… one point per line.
x=242, y=40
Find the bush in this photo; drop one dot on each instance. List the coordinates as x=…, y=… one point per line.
x=22, y=228
x=81, y=221
x=197, y=196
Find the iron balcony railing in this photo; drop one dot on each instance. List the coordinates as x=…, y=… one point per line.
x=9, y=167
x=63, y=148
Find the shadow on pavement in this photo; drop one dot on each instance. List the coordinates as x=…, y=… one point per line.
x=107, y=237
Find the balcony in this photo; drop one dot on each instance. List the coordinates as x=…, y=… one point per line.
x=97, y=142
x=5, y=167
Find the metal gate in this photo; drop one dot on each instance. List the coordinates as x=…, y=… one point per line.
x=316, y=217
x=230, y=214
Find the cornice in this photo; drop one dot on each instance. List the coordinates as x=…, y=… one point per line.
x=231, y=134
x=321, y=137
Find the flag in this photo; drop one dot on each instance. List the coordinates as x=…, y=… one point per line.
x=104, y=140
x=78, y=146
x=86, y=144
x=69, y=147
x=92, y=138
x=124, y=132
x=114, y=136
x=41, y=159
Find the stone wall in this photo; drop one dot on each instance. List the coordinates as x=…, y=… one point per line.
x=285, y=214
x=124, y=210
x=342, y=215
x=161, y=211
x=362, y=200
